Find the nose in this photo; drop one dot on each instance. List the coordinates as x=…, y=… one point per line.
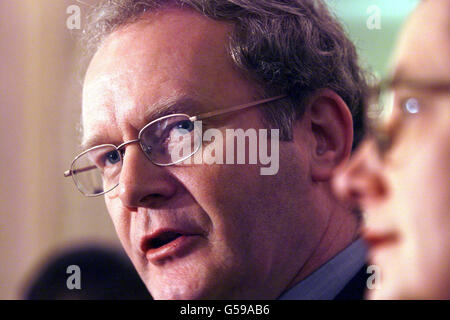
x=361, y=181
x=143, y=184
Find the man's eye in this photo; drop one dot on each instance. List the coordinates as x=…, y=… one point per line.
x=411, y=106
x=388, y=133
x=112, y=157
x=176, y=132
x=185, y=125
x=178, y=129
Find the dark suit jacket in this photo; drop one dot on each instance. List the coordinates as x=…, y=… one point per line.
x=355, y=289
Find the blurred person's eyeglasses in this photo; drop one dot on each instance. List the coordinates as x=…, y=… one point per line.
x=96, y=170
x=394, y=101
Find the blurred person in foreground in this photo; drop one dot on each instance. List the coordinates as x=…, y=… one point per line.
x=400, y=175
x=215, y=230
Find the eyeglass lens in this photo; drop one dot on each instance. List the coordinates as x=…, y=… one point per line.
x=167, y=141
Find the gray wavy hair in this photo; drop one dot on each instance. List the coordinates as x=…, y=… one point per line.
x=294, y=47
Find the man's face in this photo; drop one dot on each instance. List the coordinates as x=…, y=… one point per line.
x=240, y=229
x=405, y=195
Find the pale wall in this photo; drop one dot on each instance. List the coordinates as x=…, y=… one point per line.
x=40, y=210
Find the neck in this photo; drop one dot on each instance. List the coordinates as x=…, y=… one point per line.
x=340, y=231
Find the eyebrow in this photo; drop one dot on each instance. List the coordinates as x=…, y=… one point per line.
x=398, y=75
x=402, y=78
x=172, y=105
x=166, y=106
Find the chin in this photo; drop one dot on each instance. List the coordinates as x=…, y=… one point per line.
x=178, y=291
x=420, y=291
x=390, y=291
x=382, y=294
x=173, y=295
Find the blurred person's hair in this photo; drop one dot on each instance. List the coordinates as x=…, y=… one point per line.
x=106, y=274
x=292, y=47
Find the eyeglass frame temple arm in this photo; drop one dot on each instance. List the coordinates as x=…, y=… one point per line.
x=236, y=108
x=69, y=173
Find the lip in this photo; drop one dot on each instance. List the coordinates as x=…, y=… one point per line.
x=377, y=240
x=178, y=247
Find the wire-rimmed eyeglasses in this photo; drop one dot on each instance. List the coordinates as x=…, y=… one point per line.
x=96, y=170
x=404, y=98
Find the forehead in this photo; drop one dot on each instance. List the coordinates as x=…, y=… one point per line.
x=166, y=54
x=423, y=48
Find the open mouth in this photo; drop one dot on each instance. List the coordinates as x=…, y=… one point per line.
x=164, y=243
x=161, y=240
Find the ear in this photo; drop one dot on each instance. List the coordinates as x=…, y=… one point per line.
x=331, y=126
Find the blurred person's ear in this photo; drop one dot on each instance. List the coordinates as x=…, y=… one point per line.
x=331, y=125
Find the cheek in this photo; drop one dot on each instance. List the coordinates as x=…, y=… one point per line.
x=120, y=219
x=249, y=211
x=427, y=221
x=223, y=193
x=419, y=202
x=422, y=179
x=418, y=167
